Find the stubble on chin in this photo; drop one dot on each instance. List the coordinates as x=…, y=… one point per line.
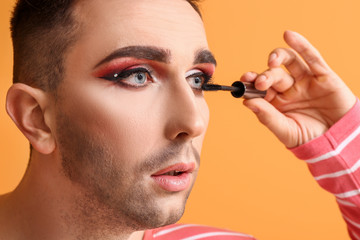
x=110, y=196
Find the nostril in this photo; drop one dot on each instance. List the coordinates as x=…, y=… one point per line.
x=182, y=135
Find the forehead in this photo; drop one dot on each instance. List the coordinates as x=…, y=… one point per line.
x=171, y=24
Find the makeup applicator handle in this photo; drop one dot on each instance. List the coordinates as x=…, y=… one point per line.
x=238, y=89
x=247, y=90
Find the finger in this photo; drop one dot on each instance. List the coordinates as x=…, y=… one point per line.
x=251, y=77
x=268, y=115
x=270, y=95
x=310, y=54
x=248, y=77
x=276, y=78
x=291, y=60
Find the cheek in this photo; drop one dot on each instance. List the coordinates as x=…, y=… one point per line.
x=130, y=123
x=121, y=119
x=205, y=113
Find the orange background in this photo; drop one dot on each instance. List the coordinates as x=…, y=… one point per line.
x=248, y=181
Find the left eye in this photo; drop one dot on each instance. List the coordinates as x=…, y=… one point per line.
x=135, y=77
x=197, y=79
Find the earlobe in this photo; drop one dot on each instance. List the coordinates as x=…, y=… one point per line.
x=26, y=106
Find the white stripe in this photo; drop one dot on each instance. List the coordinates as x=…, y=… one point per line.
x=340, y=173
x=211, y=234
x=335, y=152
x=356, y=236
x=169, y=230
x=351, y=221
x=348, y=194
x=345, y=203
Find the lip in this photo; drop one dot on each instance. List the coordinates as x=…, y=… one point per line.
x=180, y=167
x=175, y=183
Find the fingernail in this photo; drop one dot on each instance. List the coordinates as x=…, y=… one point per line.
x=261, y=78
x=252, y=75
x=272, y=57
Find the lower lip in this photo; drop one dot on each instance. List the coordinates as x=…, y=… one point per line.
x=173, y=183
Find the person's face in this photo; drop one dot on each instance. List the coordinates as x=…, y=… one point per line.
x=130, y=111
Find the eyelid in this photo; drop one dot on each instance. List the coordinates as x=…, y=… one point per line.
x=121, y=64
x=112, y=70
x=192, y=72
x=138, y=67
x=198, y=72
x=126, y=73
x=207, y=68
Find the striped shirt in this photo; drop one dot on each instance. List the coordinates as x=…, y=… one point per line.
x=193, y=232
x=334, y=161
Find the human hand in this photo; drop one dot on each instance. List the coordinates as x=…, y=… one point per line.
x=303, y=102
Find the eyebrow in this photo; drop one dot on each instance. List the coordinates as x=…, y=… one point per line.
x=140, y=52
x=155, y=54
x=204, y=56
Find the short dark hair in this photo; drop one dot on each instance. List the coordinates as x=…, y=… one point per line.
x=42, y=31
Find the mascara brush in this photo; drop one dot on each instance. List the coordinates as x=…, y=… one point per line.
x=216, y=87
x=238, y=89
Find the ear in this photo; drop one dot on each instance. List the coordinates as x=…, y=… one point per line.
x=27, y=107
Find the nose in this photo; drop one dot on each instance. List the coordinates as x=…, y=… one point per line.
x=187, y=112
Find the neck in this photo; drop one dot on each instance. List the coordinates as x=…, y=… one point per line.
x=46, y=205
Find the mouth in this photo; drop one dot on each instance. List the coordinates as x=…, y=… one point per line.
x=176, y=169
x=174, y=178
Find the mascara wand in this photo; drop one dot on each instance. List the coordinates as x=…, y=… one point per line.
x=238, y=89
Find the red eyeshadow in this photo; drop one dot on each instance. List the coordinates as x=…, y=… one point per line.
x=207, y=68
x=117, y=66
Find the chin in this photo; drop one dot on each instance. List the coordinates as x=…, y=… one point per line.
x=165, y=211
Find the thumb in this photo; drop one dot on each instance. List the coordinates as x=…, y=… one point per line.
x=274, y=120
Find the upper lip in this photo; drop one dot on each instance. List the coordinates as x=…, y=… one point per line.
x=178, y=167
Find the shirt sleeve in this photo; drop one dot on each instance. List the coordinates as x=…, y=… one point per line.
x=193, y=232
x=334, y=161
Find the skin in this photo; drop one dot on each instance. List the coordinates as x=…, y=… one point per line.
x=95, y=149
x=304, y=102
x=98, y=143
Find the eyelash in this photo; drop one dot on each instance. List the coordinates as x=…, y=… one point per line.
x=206, y=78
x=118, y=77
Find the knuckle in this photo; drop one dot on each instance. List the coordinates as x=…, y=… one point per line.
x=311, y=59
x=278, y=51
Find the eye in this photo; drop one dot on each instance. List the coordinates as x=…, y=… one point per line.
x=134, y=77
x=197, y=79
